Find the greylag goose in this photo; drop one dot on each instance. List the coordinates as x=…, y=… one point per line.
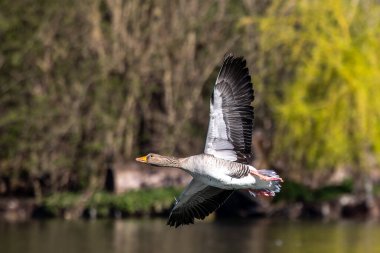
x=225, y=165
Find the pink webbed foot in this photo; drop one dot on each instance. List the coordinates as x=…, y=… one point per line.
x=275, y=179
x=265, y=193
x=265, y=178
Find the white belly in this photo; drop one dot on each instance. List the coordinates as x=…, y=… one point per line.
x=229, y=183
x=215, y=172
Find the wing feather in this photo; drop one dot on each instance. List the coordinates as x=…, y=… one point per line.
x=198, y=200
x=229, y=134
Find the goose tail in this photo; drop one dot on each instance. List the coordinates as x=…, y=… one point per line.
x=267, y=188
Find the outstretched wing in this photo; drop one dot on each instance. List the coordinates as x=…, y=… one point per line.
x=229, y=133
x=198, y=200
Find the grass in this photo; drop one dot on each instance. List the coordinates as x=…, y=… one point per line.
x=137, y=202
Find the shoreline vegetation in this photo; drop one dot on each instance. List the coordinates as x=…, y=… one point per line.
x=295, y=201
x=87, y=84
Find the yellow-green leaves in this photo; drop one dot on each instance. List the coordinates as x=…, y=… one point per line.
x=328, y=111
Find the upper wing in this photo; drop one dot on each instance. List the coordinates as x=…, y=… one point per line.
x=197, y=201
x=229, y=133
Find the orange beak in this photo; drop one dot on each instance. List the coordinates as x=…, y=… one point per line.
x=142, y=159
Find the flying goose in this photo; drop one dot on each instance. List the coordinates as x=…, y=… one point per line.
x=225, y=165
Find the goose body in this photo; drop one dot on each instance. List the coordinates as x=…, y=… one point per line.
x=222, y=173
x=225, y=164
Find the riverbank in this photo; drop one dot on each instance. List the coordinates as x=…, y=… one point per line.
x=100, y=204
x=295, y=201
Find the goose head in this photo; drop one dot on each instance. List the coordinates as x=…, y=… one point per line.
x=159, y=160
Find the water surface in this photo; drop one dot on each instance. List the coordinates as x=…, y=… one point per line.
x=149, y=236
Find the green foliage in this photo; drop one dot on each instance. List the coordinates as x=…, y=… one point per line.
x=376, y=190
x=321, y=73
x=57, y=203
x=331, y=192
x=293, y=191
x=140, y=201
x=144, y=201
x=297, y=192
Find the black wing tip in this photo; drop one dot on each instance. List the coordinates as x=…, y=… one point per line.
x=176, y=221
x=230, y=57
x=180, y=219
x=235, y=67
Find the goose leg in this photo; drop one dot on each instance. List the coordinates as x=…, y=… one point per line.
x=256, y=173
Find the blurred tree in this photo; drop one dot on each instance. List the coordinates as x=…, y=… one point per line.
x=85, y=80
x=319, y=70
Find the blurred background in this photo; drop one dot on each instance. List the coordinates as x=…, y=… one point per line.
x=86, y=86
